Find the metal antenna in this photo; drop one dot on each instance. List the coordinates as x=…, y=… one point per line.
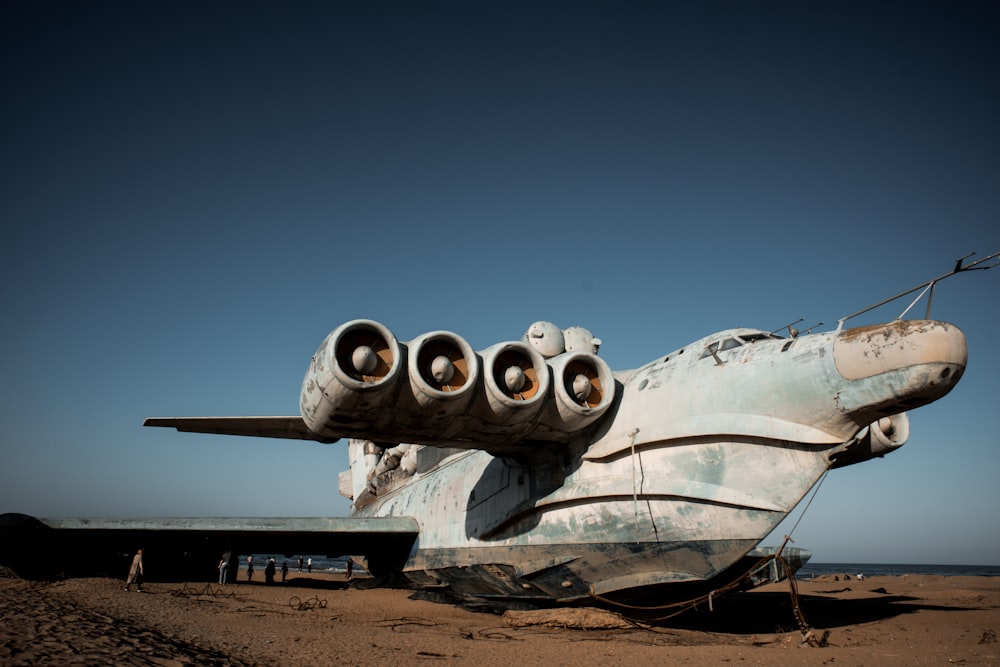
x=928, y=287
x=789, y=327
x=810, y=329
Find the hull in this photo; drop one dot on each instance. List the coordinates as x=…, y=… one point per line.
x=703, y=454
x=661, y=522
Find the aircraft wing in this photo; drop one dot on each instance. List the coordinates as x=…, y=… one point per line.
x=263, y=427
x=189, y=549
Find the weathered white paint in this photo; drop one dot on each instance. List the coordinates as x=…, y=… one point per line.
x=725, y=445
x=525, y=482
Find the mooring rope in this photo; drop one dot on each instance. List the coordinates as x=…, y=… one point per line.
x=809, y=635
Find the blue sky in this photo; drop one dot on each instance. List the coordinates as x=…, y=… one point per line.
x=195, y=193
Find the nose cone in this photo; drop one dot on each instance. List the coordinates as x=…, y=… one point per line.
x=911, y=362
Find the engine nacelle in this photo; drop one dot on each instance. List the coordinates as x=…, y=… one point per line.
x=583, y=389
x=444, y=373
x=443, y=368
x=876, y=440
x=363, y=383
x=516, y=384
x=354, y=372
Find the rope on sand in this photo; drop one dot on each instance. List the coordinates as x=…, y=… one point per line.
x=298, y=604
x=809, y=635
x=190, y=591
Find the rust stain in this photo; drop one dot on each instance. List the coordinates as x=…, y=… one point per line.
x=886, y=331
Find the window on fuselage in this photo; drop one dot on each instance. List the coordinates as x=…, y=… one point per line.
x=721, y=346
x=730, y=343
x=750, y=338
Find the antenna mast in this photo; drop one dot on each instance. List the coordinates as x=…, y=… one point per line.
x=928, y=287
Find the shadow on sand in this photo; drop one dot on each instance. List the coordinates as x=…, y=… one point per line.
x=766, y=612
x=748, y=613
x=317, y=584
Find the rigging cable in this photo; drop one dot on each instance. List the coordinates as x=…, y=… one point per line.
x=809, y=634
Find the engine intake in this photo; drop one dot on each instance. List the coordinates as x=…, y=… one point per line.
x=444, y=373
x=516, y=380
x=354, y=372
x=365, y=355
x=876, y=440
x=442, y=367
x=583, y=389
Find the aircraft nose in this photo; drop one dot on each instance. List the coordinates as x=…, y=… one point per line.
x=867, y=351
x=925, y=358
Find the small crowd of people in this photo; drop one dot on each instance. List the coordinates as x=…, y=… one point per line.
x=136, y=571
x=270, y=569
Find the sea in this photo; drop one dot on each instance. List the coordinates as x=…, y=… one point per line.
x=808, y=571
x=336, y=565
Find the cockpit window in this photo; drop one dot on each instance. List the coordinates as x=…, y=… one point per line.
x=750, y=338
x=736, y=341
x=718, y=346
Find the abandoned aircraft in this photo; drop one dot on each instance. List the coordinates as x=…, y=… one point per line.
x=531, y=471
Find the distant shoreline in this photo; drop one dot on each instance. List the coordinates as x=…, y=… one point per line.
x=338, y=565
x=812, y=569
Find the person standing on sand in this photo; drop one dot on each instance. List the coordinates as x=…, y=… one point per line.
x=135, y=572
x=249, y=567
x=309, y=565
x=224, y=568
x=284, y=571
x=269, y=571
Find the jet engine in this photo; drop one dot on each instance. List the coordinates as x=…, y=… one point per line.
x=516, y=386
x=583, y=390
x=442, y=367
x=352, y=375
x=876, y=440
x=436, y=390
x=444, y=373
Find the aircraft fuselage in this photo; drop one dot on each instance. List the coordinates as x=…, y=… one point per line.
x=702, y=454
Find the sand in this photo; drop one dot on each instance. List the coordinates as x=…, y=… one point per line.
x=316, y=619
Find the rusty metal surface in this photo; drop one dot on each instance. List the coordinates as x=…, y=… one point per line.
x=868, y=351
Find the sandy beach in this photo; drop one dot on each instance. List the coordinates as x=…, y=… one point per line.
x=317, y=619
